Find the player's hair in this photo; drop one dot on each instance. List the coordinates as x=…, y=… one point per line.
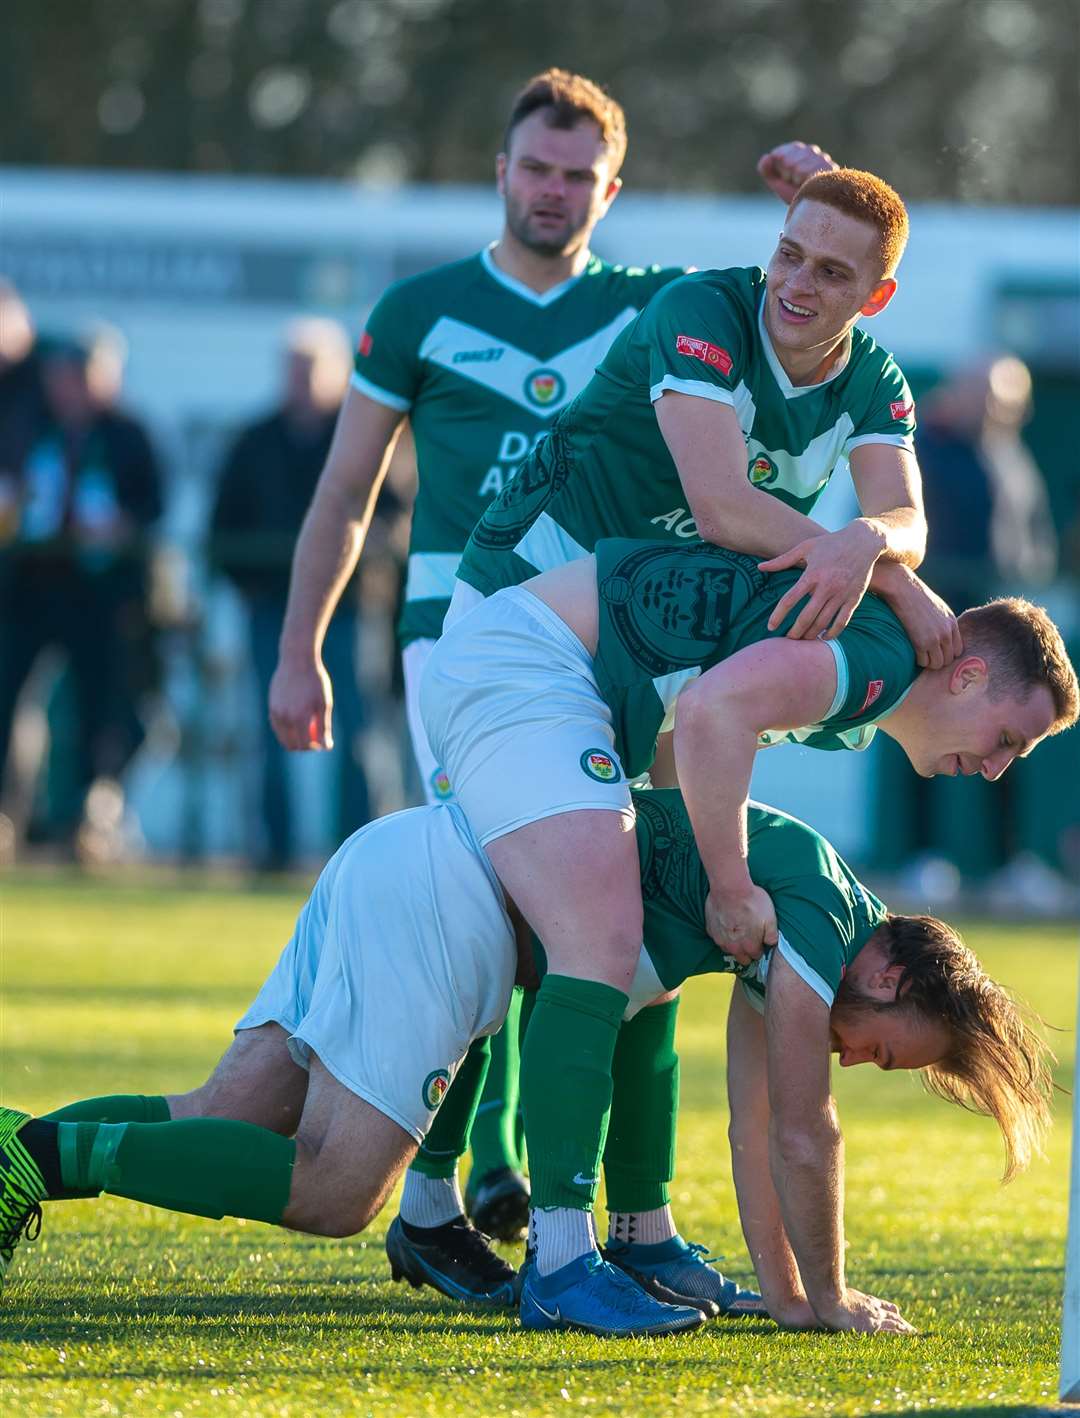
x=866, y=198
x=565, y=100
x=996, y=1063
x=1023, y=649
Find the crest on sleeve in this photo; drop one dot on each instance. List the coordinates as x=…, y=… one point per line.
x=364, y=347
x=701, y=349
x=900, y=410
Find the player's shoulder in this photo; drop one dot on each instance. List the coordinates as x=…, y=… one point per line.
x=732, y=293
x=436, y=284
x=807, y=866
x=799, y=844
x=633, y=285
x=873, y=363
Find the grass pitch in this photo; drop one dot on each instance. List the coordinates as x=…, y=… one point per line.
x=120, y=1309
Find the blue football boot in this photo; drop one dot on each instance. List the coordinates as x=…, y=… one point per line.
x=684, y=1269
x=590, y=1295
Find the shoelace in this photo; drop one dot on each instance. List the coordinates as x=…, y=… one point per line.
x=27, y=1224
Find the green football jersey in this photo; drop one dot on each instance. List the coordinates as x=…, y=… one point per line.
x=482, y=365
x=824, y=914
x=605, y=471
x=669, y=613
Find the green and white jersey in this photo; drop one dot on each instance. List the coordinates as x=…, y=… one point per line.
x=482, y=365
x=824, y=914
x=606, y=471
x=669, y=613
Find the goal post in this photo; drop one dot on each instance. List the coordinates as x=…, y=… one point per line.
x=1069, y=1389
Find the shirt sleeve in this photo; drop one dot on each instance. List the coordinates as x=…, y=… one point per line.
x=695, y=342
x=875, y=665
x=815, y=930
x=387, y=366
x=890, y=413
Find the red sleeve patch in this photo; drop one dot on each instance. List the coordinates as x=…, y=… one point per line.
x=873, y=691
x=900, y=410
x=701, y=349
x=364, y=346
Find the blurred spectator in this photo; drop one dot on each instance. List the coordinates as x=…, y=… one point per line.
x=21, y=398
x=264, y=489
x=990, y=528
x=73, y=564
x=990, y=533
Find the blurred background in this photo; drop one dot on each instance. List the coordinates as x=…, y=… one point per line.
x=202, y=199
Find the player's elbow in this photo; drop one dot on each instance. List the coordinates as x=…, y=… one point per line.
x=801, y=1143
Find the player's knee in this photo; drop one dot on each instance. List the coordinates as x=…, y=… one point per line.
x=327, y=1199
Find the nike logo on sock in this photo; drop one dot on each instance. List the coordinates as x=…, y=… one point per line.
x=580, y=1181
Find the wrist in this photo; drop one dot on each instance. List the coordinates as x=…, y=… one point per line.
x=873, y=534
x=731, y=883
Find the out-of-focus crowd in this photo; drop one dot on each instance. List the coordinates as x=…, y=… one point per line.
x=82, y=632
x=82, y=494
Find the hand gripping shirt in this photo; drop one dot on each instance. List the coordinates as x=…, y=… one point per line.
x=824, y=914
x=605, y=470
x=669, y=613
x=482, y=365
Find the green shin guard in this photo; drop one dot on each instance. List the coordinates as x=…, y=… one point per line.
x=494, y=1130
x=566, y=1087
x=639, y=1158
x=448, y=1136
x=201, y=1166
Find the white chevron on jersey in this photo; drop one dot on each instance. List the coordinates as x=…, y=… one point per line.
x=544, y=387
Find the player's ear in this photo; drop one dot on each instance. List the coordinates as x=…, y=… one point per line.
x=500, y=174
x=883, y=982
x=614, y=187
x=968, y=672
x=879, y=297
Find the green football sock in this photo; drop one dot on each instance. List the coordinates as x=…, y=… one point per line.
x=494, y=1132
x=566, y=1087
x=639, y=1158
x=448, y=1136
x=202, y=1166
x=113, y=1108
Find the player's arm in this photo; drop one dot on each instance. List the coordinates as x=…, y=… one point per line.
x=806, y=1152
x=748, y=1133
x=707, y=445
x=775, y=684
x=330, y=541
x=889, y=488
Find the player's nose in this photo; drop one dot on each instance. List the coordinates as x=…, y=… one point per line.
x=995, y=764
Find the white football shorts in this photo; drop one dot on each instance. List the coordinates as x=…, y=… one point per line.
x=402, y=956
x=512, y=711
x=437, y=786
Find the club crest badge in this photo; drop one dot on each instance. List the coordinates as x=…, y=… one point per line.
x=434, y=1089
x=597, y=764
x=544, y=388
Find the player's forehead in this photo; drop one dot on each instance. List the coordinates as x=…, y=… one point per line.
x=580, y=147
x=822, y=231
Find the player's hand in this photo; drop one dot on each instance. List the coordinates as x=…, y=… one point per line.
x=931, y=625
x=301, y=704
x=784, y=169
x=838, y=570
x=742, y=924
x=865, y=1314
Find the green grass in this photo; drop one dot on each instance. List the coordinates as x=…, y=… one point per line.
x=119, y=1309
